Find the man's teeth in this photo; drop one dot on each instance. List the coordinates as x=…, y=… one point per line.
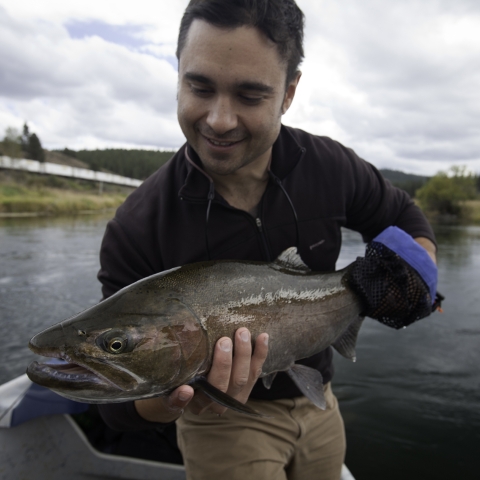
x=221, y=144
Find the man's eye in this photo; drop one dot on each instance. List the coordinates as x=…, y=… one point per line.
x=250, y=100
x=201, y=92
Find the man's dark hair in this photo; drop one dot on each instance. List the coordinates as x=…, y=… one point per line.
x=280, y=20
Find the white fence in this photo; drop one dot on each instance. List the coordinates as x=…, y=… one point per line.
x=65, y=171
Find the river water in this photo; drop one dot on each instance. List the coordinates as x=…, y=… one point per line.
x=410, y=402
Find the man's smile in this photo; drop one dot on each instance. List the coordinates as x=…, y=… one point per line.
x=221, y=143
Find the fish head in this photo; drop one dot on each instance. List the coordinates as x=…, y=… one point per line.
x=132, y=345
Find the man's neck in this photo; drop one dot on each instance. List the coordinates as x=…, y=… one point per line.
x=244, y=188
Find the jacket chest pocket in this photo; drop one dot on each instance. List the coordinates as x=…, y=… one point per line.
x=320, y=241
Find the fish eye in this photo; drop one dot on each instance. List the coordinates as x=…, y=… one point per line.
x=114, y=341
x=116, y=345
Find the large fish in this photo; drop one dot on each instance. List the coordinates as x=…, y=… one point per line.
x=160, y=332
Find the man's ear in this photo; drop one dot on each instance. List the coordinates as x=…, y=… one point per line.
x=290, y=92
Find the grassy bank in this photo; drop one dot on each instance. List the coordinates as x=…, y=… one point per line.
x=23, y=193
x=469, y=214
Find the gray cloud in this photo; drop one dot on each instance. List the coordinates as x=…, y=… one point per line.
x=415, y=67
x=86, y=87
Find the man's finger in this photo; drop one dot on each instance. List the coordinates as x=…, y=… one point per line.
x=179, y=398
x=259, y=356
x=241, y=362
x=219, y=376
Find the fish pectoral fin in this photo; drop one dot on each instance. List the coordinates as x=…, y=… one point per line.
x=345, y=345
x=310, y=383
x=268, y=380
x=201, y=383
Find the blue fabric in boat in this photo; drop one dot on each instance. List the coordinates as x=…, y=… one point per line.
x=39, y=401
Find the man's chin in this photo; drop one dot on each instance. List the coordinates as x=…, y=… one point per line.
x=221, y=167
x=220, y=163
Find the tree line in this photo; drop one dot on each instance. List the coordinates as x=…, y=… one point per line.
x=138, y=164
x=24, y=145
x=446, y=192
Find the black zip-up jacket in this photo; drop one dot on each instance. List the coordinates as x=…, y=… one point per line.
x=163, y=223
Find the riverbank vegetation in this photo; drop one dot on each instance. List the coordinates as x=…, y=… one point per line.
x=447, y=197
x=451, y=197
x=25, y=145
x=23, y=193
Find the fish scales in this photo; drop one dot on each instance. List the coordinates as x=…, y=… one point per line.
x=295, y=309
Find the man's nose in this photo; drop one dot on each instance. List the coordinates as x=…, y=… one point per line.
x=222, y=116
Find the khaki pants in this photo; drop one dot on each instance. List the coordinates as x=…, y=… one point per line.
x=300, y=442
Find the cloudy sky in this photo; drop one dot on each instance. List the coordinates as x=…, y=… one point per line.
x=398, y=81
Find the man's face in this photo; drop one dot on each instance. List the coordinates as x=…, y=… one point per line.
x=231, y=95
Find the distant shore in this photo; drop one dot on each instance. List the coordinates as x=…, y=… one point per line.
x=469, y=215
x=23, y=195
x=26, y=195
x=56, y=202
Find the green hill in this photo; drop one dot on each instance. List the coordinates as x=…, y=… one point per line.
x=128, y=163
x=406, y=181
x=396, y=176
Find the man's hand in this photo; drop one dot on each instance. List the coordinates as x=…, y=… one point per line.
x=429, y=246
x=234, y=374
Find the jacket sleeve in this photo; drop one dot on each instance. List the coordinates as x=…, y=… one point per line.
x=122, y=260
x=124, y=417
x=374, y=204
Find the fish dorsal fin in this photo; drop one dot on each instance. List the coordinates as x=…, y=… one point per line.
x=290, y=259
x=345, y=345
x=309, y=381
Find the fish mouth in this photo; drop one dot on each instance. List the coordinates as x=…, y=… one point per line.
x=59, y=373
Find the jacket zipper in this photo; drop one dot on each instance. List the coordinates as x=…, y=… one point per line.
x=266, y=251
x=258, y=222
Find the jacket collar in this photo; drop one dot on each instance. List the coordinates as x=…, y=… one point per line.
x=286, y=154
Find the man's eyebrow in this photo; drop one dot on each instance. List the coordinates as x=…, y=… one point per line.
x=246, y=85
x=255, y=86
x=196, y=77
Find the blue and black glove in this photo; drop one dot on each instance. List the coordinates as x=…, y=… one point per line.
x=396, y=280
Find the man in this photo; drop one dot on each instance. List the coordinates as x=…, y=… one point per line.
x=246, y=187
